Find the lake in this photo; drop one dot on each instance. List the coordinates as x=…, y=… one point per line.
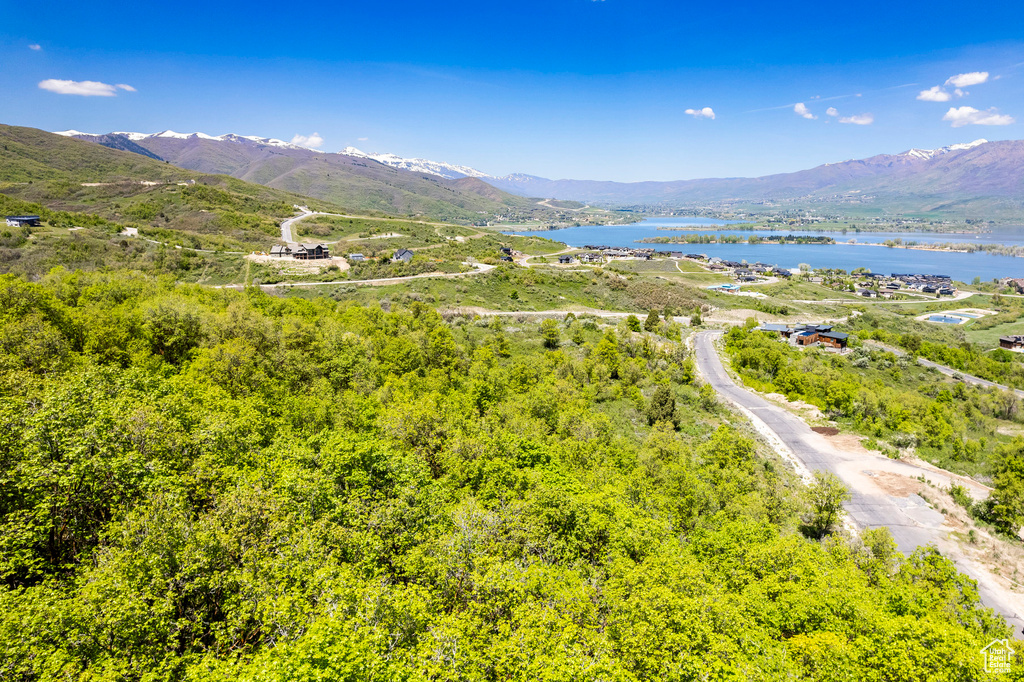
x=962, y=267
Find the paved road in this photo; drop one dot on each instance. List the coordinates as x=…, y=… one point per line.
x=286, y=227
x=949, y=371
x=910, y=520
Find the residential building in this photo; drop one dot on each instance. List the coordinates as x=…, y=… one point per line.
x=404, y=255
x=23, y=221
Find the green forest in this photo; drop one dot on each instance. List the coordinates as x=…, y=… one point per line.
x=203, y=484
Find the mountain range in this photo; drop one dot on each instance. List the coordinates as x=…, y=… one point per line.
x=978, y=179
x=359, y=183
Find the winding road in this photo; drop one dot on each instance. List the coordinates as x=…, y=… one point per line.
x=911, y=521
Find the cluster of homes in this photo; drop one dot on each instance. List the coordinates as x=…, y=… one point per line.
x=23, y=221
x=926, y=284
x=1014, y=342
x=808, y=334
x=597, y=254
x=745, y=272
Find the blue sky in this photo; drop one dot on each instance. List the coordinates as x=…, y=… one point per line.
x=563, y=88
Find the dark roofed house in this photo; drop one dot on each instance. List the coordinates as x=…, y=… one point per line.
x=311, y=252
x=23, y=221
x=505, y=259
x=1015, y=342
x=506, y=250
x=776, y=328
x=279, y=251
x=356, y=257
x=834, y=339
x=565, y=260
x=404, y=255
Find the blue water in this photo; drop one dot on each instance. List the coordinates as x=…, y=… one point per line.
x=962, y=267
x=970, y=315
x=943, y=318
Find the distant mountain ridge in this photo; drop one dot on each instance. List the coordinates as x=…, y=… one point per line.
x=358, y=181
x=970, y=179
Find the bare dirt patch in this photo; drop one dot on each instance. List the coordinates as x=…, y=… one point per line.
x=826, y=430
x=895, y=484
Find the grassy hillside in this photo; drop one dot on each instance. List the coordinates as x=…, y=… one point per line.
x=360, y=184
x=214, y=485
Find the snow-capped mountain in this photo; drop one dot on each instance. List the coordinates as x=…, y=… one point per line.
x=440, y=168
x=170, y=134
x=925, y=154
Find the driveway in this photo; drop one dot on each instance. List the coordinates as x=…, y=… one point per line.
x=911, y=521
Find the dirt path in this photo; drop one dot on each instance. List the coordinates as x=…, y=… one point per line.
x=478, y=269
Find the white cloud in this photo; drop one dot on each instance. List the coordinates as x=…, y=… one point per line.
x=934, y=94
x=801, y=110
x=963, y=80
x=83, y=88
x=362, y=139
x=859, y=119
x=312, y=141
x=706, y=112
x=962, y=116
x=35, y=46
x=832, y=111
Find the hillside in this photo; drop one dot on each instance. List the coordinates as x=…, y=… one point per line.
x=359, y=183
x=216, y=485
x=42, y=171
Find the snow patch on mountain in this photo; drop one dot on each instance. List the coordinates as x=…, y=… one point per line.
x=925, y=154
x=439, y=168
x=170, y=134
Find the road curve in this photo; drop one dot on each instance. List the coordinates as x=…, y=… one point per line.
x=911, y=521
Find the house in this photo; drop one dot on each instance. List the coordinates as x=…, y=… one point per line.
x=834, y=339
x=356, y=257
x=404, y=255
x=893, y=285
x=591, y=258
x=774, y=328
x=506, y=250
x=1015, y=283
x=279, y=251
x=565, y=260
x=505, y=259
x=1014, y=343
x=675, y=254
x=867, y=293
x=23, y=221
x=311, y=252
x=946, y=291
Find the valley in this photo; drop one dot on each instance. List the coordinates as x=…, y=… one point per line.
x=477, y=428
